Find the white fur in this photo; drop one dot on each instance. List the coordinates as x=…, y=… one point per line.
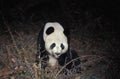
x=52, y=61
x=55, y=25
x=56, y=37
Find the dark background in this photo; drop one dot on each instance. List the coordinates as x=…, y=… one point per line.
x=92, y=19
x=70, y=12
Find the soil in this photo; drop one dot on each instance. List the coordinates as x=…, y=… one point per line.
x=94, y=35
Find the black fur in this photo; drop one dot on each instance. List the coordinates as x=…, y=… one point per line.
x=63, y=59
x=41, y=52
x=49, y=30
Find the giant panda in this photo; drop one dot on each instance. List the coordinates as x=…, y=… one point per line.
x=53, y=46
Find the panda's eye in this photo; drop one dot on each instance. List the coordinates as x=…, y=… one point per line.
x=62, y=46
x=52, y=46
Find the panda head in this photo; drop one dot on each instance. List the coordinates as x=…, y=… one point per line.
x=56, y=42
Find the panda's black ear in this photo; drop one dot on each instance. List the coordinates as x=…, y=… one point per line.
x=67, y=32
x=49, y=30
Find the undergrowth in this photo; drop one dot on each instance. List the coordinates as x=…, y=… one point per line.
x=19, y=55
x=17, y=58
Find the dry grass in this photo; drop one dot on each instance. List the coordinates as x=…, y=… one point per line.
x=18, y=57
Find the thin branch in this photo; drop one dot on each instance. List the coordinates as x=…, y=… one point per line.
x=13, y=40
x=65, y=66
x=8, y=56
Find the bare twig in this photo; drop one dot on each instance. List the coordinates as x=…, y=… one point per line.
x=19, y=52
x=8, y=55
x=35, y=71
x=65, y=66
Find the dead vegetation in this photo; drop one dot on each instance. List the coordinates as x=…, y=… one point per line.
x=18, y=55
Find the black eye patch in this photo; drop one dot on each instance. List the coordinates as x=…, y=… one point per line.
x=62, y=46
x=52, y=46
x=49, y=30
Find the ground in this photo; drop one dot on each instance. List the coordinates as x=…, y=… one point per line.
x=94, y=35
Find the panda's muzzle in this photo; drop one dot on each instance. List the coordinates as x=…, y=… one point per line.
x=56, y=55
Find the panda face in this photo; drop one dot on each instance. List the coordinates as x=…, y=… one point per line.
x=55, y=40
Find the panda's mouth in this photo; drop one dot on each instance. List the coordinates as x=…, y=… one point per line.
x=56, y=55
